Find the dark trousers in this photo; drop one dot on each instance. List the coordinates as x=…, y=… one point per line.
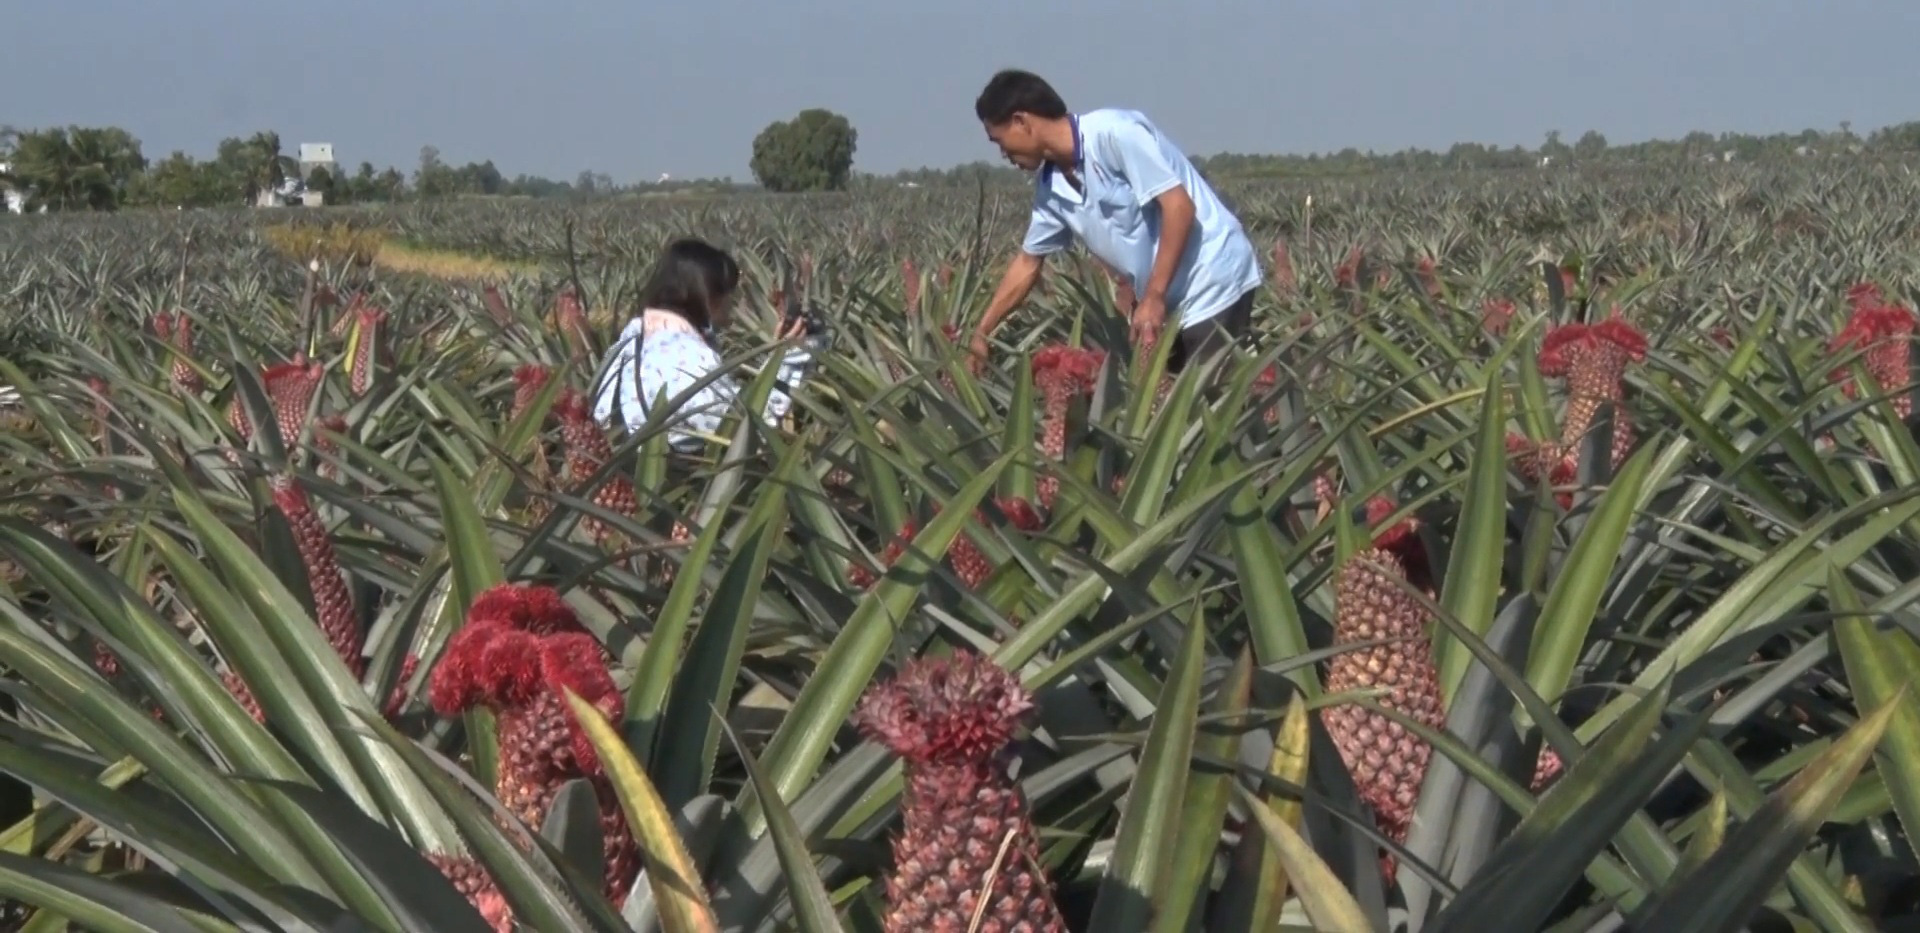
x=1197, y=343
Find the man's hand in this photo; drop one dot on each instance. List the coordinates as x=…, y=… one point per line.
x=1149, y=317
x=977, y=350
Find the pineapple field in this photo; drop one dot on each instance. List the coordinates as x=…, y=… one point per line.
x=1546, y=561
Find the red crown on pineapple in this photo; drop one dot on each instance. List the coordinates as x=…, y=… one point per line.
x=962, y=708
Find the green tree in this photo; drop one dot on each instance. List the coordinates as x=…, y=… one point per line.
x=1554, y=149
x=320, y=180
x=77, y=167
x=254, y=165
x=180, y=180
x=811, y=152
x=391, y=184
x=481, y=178
x=435, y=178
x=1590, y=146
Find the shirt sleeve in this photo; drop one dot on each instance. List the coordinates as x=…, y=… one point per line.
x=670, y=367
x=1142, y=159
x=1046, y=232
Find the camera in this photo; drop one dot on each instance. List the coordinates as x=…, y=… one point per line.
x=810, y=313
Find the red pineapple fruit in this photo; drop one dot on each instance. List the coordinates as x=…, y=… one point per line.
x=366, y=323
x=326, y=430
x=1593, y=359
x=968, y=563
x=1286, y=282
x=910, y=281
x=1347, y=273
x=1531, y=458
x=495, y=304
x=470, y=878
x=290, y=388
x=587, y=451
x=176, y=331
x=570, y=318
x=397, y=699
x=1265, y=383
x=332, y=602
x=1427, y=271
x=520, y=648
x=1885, y=333
x=1495, y=315
x=964, y=555
x=1387, y=761
x=1060, y=373
x=950, y=721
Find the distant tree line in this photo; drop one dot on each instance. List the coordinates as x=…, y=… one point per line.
x=1591, y=147
x=103, y=168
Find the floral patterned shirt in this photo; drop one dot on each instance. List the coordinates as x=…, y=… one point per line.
x=672, y=356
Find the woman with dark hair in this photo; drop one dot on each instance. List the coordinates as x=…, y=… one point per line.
x=669, y=347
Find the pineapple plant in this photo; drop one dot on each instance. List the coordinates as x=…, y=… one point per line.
x=1425, y=654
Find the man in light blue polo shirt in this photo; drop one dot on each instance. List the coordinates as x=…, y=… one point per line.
x=1111, y=178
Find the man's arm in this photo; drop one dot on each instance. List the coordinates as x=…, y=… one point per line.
x=1148, y=170
x=1046, y=234
x=1015, y=283
x=1176, y=224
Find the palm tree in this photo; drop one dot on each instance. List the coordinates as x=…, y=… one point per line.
x=266, y=166
x=76, y=167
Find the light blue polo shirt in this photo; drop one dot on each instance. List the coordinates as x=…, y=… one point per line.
x=1126, y=162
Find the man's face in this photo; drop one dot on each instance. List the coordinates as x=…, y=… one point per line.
x=1018, y=142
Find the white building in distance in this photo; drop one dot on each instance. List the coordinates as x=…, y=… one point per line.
x=16, y=199
x=317, y=155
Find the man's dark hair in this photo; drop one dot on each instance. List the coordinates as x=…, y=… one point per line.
x=689, y=279
x=1014, y=91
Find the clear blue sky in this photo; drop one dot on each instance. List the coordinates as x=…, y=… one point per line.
x=634, y=88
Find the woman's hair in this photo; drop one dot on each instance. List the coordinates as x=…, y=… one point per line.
x=690, y=278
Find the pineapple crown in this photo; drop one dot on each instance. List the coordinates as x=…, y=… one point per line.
x=1874, y=327
x=962, y=709
x=1567, y=344
x=369, y=315
x=288, y=497
x=1347, y=273
x=528, y=380
x=1401, y=539
x=493, y=659
x=571, y=407
x=1074, y=367
x=1865, y=294
x=293, y=376
x=535, y=609
x=1871, y=323
x=1020, y=512
x=521, y=641
x=1401, y=536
